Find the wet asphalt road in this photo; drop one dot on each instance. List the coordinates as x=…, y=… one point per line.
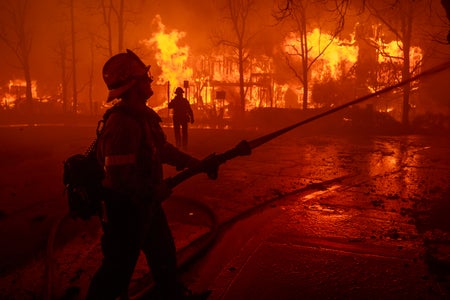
x=384, y=190
x=384, y=196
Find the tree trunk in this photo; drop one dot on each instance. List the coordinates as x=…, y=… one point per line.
x=407, y=36
x=120, y=26
x=28, y=87
x=406, y=91
x=91, y=80
x=304, y=45
x=241, y=80
x=74, y=73
x=64, y=76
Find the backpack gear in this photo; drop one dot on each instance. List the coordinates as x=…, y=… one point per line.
x=83, y=174
x=82, y=177
x=121, y=71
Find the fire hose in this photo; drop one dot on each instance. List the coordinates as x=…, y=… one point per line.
x=244, y=147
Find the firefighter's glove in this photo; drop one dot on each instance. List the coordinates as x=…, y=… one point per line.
x=161, y=191
x=210, y=166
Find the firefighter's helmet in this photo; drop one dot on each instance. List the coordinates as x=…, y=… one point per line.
x=121, y=71
x=179, y=91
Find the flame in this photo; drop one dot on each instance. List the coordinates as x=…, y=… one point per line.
x=170, y=56
x=386, y=110
x=18, y=84
x=335, y=60
x=16, y=91
x=393, y=52
x=8, y=100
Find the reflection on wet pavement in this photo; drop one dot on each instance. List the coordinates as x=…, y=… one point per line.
x=368, y=191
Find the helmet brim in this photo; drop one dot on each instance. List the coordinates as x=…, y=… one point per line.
x=116, y=93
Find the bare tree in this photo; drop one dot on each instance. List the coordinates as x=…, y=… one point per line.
x=91, y=80
x=16, y=35
x=109, y=10
x=238, y=15
x=398, y=17
x=66, y=54
x=113, y=13
x=74, y=57
x=107, y=22
x=301, y=13
x=61, y=51
x=116, y=15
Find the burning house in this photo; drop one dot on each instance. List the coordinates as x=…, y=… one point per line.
x=278, y=73
x=339, y=70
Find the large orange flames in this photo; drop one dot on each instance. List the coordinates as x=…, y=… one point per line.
x=204, y=76
x=170, y=56
x=334, y=59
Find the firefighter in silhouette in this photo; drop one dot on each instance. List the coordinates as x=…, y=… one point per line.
x=132, y=148
x=182, y=114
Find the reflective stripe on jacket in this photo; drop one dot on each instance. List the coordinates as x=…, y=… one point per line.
x=132, y=149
